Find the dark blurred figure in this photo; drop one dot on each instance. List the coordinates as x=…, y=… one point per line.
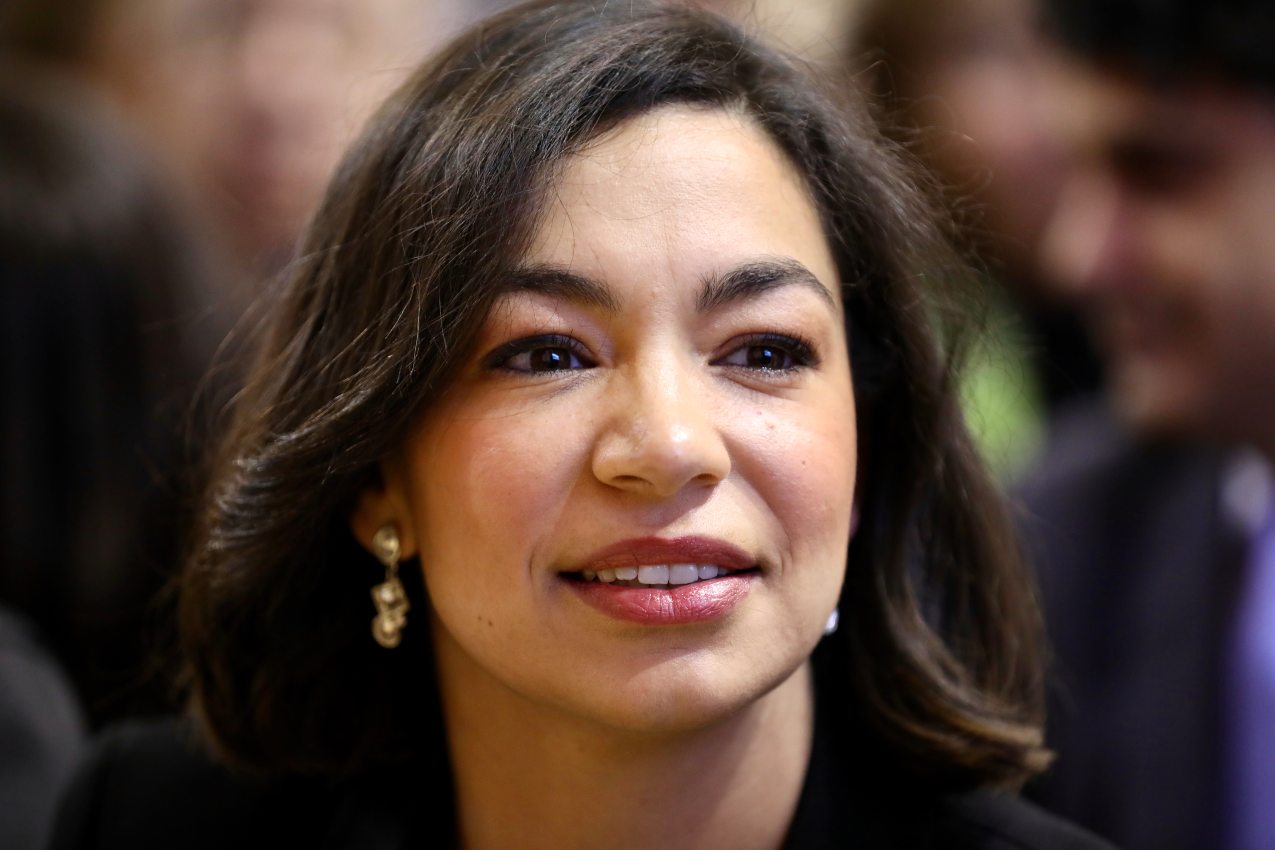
x=1154, y=526
x=103, y=339
x=959, y=83
x=42, y=734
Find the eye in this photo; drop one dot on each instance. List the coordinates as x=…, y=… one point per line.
x=769, y=353
x=537, y=354
x=1165, y=169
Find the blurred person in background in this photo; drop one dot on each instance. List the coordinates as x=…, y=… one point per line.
x=134, y=231
x=1151, y=516
x=813, y=29
x=103, y=343
x=249, y=103
x=959, y=84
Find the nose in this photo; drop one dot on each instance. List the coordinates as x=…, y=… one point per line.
x=660, y=433
x=1086, y=246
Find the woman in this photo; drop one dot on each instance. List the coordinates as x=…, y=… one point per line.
x=607, y=331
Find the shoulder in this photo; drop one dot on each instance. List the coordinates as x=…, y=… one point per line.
x=1091, y=459
x=1085, y=446
x=853, y=798
x=1100, y=494
x=42, y=728
x=35, y=688
x=37, y=703
x=989, y=820
x=153, y=785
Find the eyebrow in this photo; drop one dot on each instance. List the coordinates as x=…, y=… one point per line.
x=557, y=282
x=741, y=283
x=752, y=279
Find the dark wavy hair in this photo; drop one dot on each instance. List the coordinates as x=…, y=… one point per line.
x=937, y=655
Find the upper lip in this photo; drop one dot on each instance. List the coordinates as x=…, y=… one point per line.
x=644, y=551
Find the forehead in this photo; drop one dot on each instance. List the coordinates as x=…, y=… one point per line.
x=679, y=149
x=697, y=182
x=1098, y=108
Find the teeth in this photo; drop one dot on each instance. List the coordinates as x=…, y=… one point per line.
x=657, y=574
x=682, y=574
x=653, y=574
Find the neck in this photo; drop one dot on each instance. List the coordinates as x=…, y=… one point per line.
x=530, y=775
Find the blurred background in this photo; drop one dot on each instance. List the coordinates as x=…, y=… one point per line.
x=160, y=159
x=1105, y=170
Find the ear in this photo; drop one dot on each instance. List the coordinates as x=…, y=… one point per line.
x=383, y=502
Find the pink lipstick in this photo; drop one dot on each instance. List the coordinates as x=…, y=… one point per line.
x=655, y=581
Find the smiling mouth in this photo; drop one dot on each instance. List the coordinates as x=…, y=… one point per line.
x=657, y=576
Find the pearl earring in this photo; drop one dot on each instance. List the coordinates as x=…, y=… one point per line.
x=389, y=596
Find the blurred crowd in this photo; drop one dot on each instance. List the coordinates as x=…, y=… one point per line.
x=158, y=159
x=1109, y=168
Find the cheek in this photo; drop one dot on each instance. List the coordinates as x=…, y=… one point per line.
x=800, y=471
x=484, y=493
x=492, y=483
x=803, y=468
x=484, y=496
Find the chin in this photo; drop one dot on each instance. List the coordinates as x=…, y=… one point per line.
x=1155, y=405
x=678, y=696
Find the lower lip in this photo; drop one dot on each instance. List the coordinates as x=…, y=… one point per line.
x=677, y=605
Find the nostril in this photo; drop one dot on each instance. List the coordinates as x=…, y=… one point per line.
x=660, y=450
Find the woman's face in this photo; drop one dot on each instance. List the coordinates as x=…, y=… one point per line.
x=667, y=386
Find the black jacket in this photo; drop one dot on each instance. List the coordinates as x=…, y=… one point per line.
x=1138, y=570
x=152, y=787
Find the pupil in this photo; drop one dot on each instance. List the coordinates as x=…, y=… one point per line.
x=764, y=357
x=549, y=359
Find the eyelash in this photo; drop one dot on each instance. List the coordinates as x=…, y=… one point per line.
x=504, y=356
x=799, y=353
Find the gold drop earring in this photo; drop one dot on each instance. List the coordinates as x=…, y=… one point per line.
x=389, y=596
